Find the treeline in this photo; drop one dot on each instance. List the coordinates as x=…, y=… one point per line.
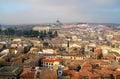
x=44, y=34
x=29, y=33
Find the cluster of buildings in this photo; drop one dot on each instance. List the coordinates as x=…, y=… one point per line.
x=80, y=51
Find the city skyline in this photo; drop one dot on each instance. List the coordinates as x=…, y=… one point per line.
x=47, y=11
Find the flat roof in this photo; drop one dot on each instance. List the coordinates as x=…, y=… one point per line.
x=10, y=70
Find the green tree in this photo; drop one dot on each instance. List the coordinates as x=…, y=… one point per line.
x=0, y=31
x=45, y=44
x=50, y=34
x=55, y=34
x=11, y=31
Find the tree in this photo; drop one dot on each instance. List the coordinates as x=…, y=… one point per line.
x=34, y=33
x=45, y=44
x=44, y=33
x=11, y=31
x=0, y=31
x=50, y=34
x=55, y=34
x=41, y=35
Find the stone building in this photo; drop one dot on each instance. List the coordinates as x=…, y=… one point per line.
x=10, y=72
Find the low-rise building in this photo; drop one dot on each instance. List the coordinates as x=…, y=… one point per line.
x=51, y=63
x=30, y=73
x=41, y=28
x=10, y=72
x=48, y=74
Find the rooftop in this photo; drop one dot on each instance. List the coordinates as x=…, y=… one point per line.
x=10, y=70
x=50, y=60
x=28, y=74
x=48, y=74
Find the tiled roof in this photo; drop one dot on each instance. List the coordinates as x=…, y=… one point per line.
x=10, y=71
x=66, y=72
x=27, y=74
x=51, y=60
x=48, y=74
x=90, y=73
x=116, y=72
x=74, y=74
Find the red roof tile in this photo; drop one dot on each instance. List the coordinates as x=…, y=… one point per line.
x=27, y=74
x=48, y=74
x=51, y=60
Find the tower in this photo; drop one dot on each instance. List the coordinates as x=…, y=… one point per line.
x=56, y=26
x=68, y=45
x=58, y=23
x=59, y=71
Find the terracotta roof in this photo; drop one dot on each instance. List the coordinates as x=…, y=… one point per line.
x=48, y=74
x=109, y=57
x=27, y=74
x=51, y=60
x=107, y=31
x=116, y=72
x=66, y=72
x=90, y=73
x=83, y=72
x=74, y=74
x=106, y=71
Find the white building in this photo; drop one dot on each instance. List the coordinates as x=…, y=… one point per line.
x=51, y=63
x=40, y=28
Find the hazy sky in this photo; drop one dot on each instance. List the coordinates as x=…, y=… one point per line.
x=47, y=11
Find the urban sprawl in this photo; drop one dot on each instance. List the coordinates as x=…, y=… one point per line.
x=60, y=51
